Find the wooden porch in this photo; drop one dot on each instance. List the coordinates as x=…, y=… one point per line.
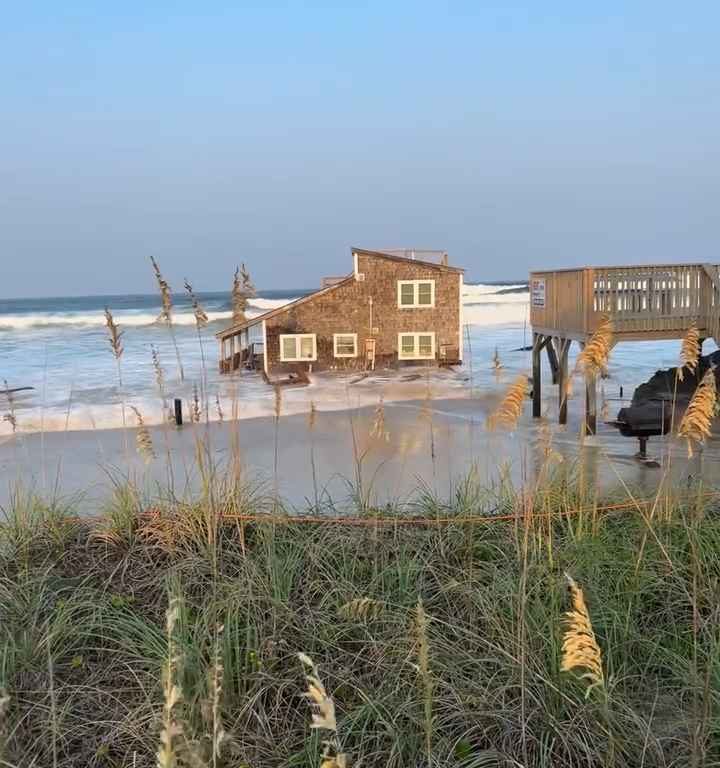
x=645, y=303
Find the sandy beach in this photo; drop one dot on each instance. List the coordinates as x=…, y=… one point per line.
x=431, y=446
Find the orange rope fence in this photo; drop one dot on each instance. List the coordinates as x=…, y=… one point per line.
x=279, y=519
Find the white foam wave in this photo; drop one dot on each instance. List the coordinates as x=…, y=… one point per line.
x=483, y=289
x=496, y=313
x=268, y=304
x=16, y=322
x=484, y=304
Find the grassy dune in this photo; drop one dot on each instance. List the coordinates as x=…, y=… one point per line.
x=436, y=632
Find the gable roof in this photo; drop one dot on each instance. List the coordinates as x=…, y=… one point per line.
x=238, y=327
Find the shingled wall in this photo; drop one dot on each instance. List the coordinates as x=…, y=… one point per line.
x=346, y=309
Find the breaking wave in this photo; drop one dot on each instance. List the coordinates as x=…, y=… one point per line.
x=134, y=319
x=483, y=304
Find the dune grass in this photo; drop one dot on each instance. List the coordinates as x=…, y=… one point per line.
x=439, y=644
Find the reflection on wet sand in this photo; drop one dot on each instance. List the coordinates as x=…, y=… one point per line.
x=426, y=443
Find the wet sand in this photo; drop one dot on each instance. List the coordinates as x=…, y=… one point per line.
x=432, y=447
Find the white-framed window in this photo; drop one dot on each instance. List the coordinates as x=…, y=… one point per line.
x=296, y=347
x=416, y=346
x=416, y=293
x=345, y=344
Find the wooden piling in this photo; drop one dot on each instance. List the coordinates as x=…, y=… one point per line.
x=552, y=359
x=563, y=379
x=537, y=374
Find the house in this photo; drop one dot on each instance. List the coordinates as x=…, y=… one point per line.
x=395, y=308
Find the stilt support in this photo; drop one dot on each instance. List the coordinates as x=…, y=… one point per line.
x=552, y=359
x=537, y=374
x=563, y=379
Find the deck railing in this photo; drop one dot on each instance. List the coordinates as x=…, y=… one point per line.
x=643, y=301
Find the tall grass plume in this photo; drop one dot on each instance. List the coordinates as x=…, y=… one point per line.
x=581, y=653
x=696, y=422
x=425, y=675
x=172, y=730
x=323, y=718
x=166, y=309
x=507, y=414
x=593, y=359
x=10, y=417
x=689, y=351
x=143, y=439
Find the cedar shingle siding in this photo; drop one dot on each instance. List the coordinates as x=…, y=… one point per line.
x=346, y=308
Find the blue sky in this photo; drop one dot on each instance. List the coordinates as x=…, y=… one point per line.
x=514, y=135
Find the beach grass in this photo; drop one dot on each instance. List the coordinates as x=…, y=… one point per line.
x=437, y=631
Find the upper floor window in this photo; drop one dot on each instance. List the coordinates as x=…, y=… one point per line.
x=296, y=347
x=416, y=293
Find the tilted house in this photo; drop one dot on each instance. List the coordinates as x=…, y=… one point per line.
x=396, y=308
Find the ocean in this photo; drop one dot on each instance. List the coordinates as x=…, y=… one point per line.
x=60, y=348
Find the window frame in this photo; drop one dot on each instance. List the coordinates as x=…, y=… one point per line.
x=416, y=345
x=354, y=337
x=416, y=294
x=297, y=337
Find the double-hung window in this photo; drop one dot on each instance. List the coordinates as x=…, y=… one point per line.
x=296, y=347
x=345, y=344
x=416, y=346
x=416, y=293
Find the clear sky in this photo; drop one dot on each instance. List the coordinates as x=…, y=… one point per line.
x=512, y=134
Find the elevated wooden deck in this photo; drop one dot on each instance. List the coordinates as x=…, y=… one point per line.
x=645, y=303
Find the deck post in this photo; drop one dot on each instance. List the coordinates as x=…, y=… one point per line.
x=537, y=374
x=564, y=349
x=552, y=358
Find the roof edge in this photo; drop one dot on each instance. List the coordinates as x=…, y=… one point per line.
x=237, y=328
x=403, y=260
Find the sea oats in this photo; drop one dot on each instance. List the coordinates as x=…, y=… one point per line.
x=195, y=409
x=596, y=353
x=10, y=416
x=165, y=294
x=697, y=419
x=425, y=674
x=497, y=363
x=166, y=312
x=201, y=318
x=580, y=649
x=115, y=334
x=143, y=438
x=247, y=283
x=216, y=685
x=379, y=430
x=218, y=408
x=167, y=755
x=322, y=709
x=312, y=416
x=508, y=412
x=689, y=351
x=239, y=301
x=362, y=608
x=158, y=369
x=242, y=290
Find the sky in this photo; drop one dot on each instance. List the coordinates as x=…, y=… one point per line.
x=514, y=135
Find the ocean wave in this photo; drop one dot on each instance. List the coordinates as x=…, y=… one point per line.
x=485, y=289
x=496, y=313
x=129, y=319
x=475, y=297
